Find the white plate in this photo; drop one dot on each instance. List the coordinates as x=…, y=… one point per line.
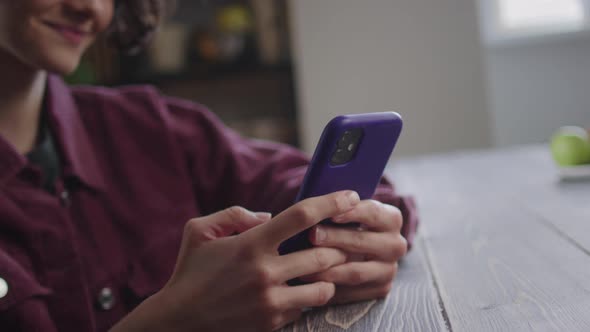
x=574, y=172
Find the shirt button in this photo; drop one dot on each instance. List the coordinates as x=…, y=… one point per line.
x=64, y=196
x=106, y=299
x=3, y=288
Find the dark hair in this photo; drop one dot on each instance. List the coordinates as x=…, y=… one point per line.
x=135, y=21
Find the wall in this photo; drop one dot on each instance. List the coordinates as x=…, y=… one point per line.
x=421, y=58
x=536, y=87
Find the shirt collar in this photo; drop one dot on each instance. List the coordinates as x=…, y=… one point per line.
x=11, y=162
x=77, y=154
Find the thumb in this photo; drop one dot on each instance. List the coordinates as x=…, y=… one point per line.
x=230, y=221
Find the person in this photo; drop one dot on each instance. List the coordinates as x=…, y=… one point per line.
x=127, y=210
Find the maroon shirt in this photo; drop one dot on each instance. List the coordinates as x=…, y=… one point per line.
x=135, y=167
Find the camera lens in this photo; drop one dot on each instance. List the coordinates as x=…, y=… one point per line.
x=346, y=146
x=339, y=157
x=345, y=139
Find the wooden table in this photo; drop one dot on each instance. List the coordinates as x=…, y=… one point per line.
x=503, y=246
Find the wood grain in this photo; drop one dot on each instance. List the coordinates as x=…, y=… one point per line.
x=412, y=305
x=563, y=205
x=502, y=257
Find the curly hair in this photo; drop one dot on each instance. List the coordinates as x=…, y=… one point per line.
x=135, y=21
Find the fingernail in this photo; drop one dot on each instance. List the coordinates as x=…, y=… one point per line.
x=263, y=215
x=320, y=234
x=353, y=197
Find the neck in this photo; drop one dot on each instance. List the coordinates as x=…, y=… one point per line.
x=21, y=99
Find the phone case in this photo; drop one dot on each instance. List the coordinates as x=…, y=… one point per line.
x=380, y=132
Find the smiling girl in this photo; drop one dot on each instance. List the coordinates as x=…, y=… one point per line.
x=97, y=185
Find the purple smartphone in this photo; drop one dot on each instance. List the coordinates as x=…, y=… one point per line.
x=351, y=155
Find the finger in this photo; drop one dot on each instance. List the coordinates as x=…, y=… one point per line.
x=382, y=246
x=306, y=262
x=357, y=273
x=349, y=294
x=226, y=222
x=303, y=215
x=304, y=296
x=375, y=215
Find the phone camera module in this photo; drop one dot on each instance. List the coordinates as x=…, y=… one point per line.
x=346, y=146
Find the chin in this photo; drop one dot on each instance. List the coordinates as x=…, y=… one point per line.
x=58, y=61
x=62, y=68
x=54, y=59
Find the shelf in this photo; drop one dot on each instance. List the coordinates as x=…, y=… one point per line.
x=211, y=73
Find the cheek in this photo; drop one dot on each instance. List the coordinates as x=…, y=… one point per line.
x=104, y=14
x=17, y=15
x=14, y=19
x=35, y=7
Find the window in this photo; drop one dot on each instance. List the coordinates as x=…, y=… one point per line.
x=510, y=20
x=523, y=14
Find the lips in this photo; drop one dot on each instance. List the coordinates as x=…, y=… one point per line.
x=72, y=34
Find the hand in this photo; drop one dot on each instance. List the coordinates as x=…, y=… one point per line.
x=237, y=283
x=380, y=243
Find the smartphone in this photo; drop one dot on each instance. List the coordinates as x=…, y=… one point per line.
x=352, y=153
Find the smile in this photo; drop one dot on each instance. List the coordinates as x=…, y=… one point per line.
x=73, y=35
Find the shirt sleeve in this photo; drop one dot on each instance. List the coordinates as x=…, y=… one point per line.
x=228, y=169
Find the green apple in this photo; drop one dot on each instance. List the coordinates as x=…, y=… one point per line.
x=570, y=146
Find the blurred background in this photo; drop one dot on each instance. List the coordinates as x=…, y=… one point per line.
x=464, y=74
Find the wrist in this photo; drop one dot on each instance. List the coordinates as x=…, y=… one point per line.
x=149, y=316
